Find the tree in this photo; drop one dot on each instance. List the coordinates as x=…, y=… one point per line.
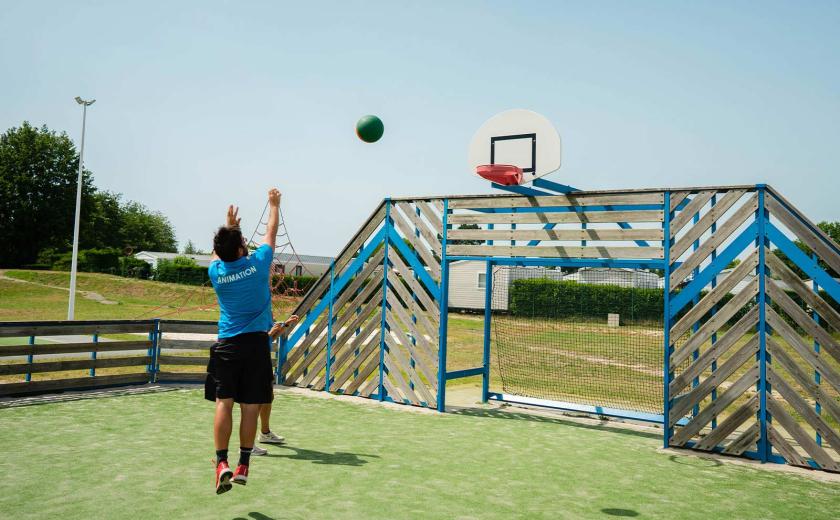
x=38, y=172
x=190, y=249
x=146, y=230
x=468, y=242
x=832, y=229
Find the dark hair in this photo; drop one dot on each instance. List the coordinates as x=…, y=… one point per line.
x=227, y=243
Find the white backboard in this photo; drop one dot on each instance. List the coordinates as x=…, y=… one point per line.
x=519, y=137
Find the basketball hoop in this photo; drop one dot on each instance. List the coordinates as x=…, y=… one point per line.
x=504, y=174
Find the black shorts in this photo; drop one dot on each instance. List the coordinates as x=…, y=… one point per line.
x=240, y=368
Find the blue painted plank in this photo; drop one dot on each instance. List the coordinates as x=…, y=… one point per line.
x=811, y=268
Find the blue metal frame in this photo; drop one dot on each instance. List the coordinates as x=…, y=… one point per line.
x=383, y=324
x=666, y=324
x=92, y=371
x=444, y=311
x=488, y=316
x=330, y=338
x=764, y=447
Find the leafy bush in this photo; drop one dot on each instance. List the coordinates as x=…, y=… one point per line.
x=90, y=261
x=135, y=268
x=183, y=270
x=299, y=284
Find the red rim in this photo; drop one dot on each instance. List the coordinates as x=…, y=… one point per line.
x=505, y=174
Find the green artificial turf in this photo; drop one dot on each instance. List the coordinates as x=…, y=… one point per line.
x=148, y=456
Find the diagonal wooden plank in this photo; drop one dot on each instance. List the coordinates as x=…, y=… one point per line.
x=721, y=317
x=395, y=373
x=713, y=242
x=729, y=425
x=421, y=226
x=827, y=342
x=364, y=373
x=398, y=352
x=299, y=357
x=370, y=344
x=697, y=203
x=438, y=204
x=808, y=237
x=370, y=387
x=744, y=326
x=784, y=448
x=373, y=306
x=416, y=286
x=743, y=442
x=431, y=216
x=825, y=310
x=422, y=345
x=805, y=350
x=677, y=198
x=714, y=296
x=405, y=347
x=805, y=441
x=699, y=392
x=418, y=247
x=804, y=409
x=715, y=212
x=783, y=359
x=725, y=399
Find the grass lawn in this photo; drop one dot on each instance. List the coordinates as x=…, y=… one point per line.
x=148, y=456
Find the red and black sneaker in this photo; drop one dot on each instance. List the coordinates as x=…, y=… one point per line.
x=240, y=476
x=223, y=475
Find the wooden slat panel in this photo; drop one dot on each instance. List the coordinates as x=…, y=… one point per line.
x=827, y=342
x=365, y=372
x=416, y=286
x=804, y=440
x=705, y=222
x=697, y=203
x=698, y=393
x=415, y=309
x=73, y=348
x=368, y=342
x=317, y=335
x=804, y=234
x=199, y=327
x=186, y=344
x=582, y=217
x=725, y=399
x=521, y=201
x=395, y=369
x=438, y=204
x=57, y=385
x=400, y=352
x=719, y=237
x=431, y=216
x=825, y=310
x=714, y=296
x=557, y=251
x=780, y=357
x=806, y=351
x=419, y=247
x=729, y=425
x=744, y=326
x=677, y=197
x=76, y=364
x=189, y=377
x=183, y=360
x=615, y=235
x=429, y=235
x=784, y=448
x=70, y=328
x=803, y=409
x=345, y=373
x=744, y=441
x=717, y=321
x=424, y=346
x=417, y=352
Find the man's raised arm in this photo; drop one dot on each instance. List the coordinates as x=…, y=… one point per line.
x=273, y=218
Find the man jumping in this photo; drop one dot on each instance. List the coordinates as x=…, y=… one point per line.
x=240, y=362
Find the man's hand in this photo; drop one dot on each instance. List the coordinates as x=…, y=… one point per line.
x=274, y=197
x=233, y=217
x=279, y=327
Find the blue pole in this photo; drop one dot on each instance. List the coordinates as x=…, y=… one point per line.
x=29, y=359
x=763, y=444
x=281, y=358
x=666, y=399
x=93, y=355
x=488, y=315
x=696, y=326
x=444, y=312
x=383, y=324
x=329, y=330
x=714, y=310
x=817, y=407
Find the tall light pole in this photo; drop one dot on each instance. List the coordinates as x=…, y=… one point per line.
x=72, y=305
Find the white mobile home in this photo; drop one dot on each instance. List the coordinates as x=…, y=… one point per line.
x=467, y=282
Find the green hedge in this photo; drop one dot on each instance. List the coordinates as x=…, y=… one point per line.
x=131, y=267
x=90, y=260
x=566, y=299
x=181, y=270
x=301, y=283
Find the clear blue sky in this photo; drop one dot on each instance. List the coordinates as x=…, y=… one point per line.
x=200, y=104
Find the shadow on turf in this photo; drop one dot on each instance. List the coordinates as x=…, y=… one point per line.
x=604, y=425
x=255, y=516
x=339, y=458
x=619, y=512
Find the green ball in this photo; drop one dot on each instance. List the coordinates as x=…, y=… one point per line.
x=369, y=129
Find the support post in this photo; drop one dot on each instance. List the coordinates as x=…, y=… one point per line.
x=281, y=358
x=817, y=381
x=329, y=330
x=763, y=444
x=383, y=324
x=93, y=355
x=666, y=398
x=444, y=312
x=154, y=350
x=488, y=315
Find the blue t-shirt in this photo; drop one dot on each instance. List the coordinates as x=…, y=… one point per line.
x=243, y=293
